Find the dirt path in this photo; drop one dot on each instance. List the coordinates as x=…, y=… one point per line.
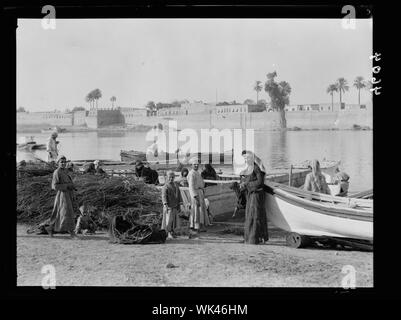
x=215, y=259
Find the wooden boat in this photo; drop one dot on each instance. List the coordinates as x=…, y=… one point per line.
x=55, y=129
x=367, y=194
x=223, y=200
x=171, y=161
x=29, y=144
x=310, y=214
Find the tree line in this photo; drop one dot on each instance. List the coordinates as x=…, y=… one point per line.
x=341, y=86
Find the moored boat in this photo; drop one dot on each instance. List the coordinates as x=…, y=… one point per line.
x=222, y=198
x=318, y=215
x=28, y=143
x=172, y=161
x=55, y=129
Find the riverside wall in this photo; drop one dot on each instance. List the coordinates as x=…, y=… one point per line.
x=304, y=120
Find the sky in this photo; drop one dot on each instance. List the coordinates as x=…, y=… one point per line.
x=161, y=60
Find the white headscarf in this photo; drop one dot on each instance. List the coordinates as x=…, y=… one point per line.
x=256, y=160
x=194, y=160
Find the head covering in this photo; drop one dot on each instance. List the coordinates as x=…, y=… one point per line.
x=183, y=171
x=170, y=172
x=317, y=176
x=342, y=176
x=138, y=162
x=194, y=160
x=256, y=160
x=96, y=162
x=61, y=157
x=315, y=167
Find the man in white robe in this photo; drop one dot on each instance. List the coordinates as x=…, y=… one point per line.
x=198, y=218
x=51, y=148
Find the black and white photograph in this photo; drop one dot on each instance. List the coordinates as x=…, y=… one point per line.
x=195, y=152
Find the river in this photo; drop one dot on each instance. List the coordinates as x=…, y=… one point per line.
x=276, y=149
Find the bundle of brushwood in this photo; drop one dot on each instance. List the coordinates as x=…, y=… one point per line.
x=105, y=196
x=34, y=168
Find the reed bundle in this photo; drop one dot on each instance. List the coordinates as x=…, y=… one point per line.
x=106, y=196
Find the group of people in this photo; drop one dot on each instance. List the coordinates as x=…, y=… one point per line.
x=251, y=185
x=199, y=217
x=252, y=181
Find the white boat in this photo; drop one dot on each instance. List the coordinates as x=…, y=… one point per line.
x=313, y=214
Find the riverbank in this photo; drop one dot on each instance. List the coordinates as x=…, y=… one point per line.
x=115, y=128
x=215, y=259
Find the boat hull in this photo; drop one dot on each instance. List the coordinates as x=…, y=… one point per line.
x=317, y=219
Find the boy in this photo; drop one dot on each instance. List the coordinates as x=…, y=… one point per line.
x=172, y=200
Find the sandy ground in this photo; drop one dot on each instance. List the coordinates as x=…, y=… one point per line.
x=215, y=259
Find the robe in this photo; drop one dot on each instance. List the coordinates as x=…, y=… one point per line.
x=63, y=215
x=255, y=227
x=171, y=195
x=51, y=149
x=198, y=215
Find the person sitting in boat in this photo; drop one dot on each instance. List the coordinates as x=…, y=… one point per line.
x=315, y=180
x=183, y=181
x=341, y=179
x=255, y=227
x=145, y=173
x=51, y=148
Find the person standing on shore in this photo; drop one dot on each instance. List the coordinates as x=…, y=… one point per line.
x=51, y=148
x=172, y=200
x=255, y=227
x=63, y=216
x=198, y=219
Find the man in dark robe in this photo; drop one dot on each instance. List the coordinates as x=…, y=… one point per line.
x=63, y=215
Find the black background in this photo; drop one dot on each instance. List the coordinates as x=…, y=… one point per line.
x=386, y=208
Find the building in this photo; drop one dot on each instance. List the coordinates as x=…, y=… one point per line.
x=129, y=115
x=239, y=108
x=328, y=107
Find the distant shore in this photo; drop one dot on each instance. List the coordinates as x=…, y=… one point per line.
x=145, y=128
x=38, y=128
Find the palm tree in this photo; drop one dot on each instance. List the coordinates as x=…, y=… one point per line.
x=113, y=99
x=331, y=89
x=258, y=87
x=97, y=94
x=359, y=83
x=279, y=94
x=89, y=98
x=342, y=86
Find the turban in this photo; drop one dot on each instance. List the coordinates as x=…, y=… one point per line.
x=194, y=160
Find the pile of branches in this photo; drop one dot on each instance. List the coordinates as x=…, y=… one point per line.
x=34, y=169
x=105, y=196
